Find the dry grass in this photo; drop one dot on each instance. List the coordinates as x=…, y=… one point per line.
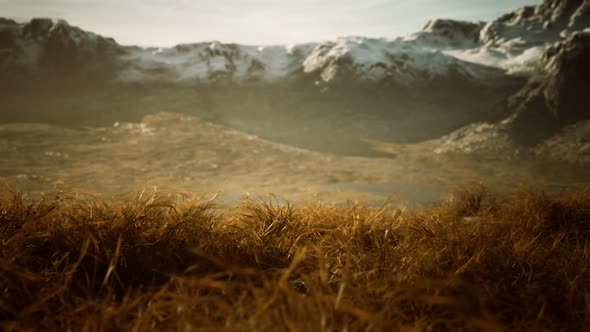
x=516, y=261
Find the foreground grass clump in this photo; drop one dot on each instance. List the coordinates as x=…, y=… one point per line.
x=518, y=261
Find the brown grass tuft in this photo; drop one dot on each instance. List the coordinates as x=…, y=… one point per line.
x=478, y=261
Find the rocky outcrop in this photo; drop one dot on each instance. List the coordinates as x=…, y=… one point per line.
x=556, y=95
x=547, y=22
x=454, y=32
x=571, y=143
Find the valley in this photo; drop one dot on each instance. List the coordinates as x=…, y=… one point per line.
x=174, y=152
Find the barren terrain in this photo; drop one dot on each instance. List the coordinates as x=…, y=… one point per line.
x=183, y=153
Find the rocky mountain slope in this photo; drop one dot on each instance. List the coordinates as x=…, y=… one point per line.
x=547, y=115
x=522, y=74
x=48, y=48
x=555, y=94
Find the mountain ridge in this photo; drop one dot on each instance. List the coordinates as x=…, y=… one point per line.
x=443, y=42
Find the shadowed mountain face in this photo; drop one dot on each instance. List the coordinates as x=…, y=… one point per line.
x=549, y=115
x=556, y=95
x=48, y=50
x=327, y=96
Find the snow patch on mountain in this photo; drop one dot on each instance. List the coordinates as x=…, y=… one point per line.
x=406, y=61
x=518, y=40
x=516, y=61
x=211, y=61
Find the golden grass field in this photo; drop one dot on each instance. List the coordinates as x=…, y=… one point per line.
x=154, y=261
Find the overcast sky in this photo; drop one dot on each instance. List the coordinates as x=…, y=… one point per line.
x=169, y=22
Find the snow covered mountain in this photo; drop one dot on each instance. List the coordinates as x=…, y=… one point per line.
x=448, y=75
x=514, y=43
x=411, y=60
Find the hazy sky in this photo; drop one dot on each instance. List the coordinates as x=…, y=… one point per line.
x=169, y=22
